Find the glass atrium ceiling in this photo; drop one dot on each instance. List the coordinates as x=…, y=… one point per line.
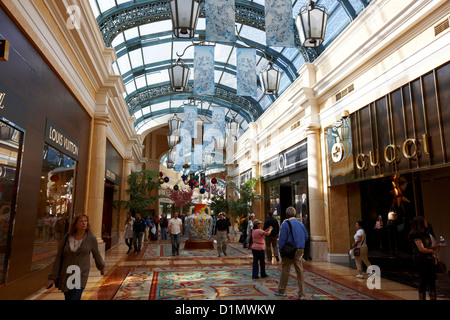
x=141, y=33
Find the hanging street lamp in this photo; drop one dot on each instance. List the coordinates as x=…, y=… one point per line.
x=179, y=76
x=184, y=14
x=233, y=127
x=174, y=125
x=270, y=79
x=311, y=24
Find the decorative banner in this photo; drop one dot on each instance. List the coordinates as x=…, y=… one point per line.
x=208, y=138
x=204, y=70
x=190, y=121
x=218, y=121
x=246, y=72
x=220, y=20
x=279, y=23
x=197, y=157
x=179, y=157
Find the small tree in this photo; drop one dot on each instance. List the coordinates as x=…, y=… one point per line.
x=141, y=183
x=218, y=204
x=242, y=206
x=180, y=197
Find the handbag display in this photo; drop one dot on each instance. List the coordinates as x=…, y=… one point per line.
x=288, y=250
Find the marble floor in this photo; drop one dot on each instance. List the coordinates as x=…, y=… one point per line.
x=155, y=274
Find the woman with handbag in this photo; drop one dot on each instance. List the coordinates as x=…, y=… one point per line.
x=258, y=249
x=73, y=261
x=424, y=257
x=360, y=249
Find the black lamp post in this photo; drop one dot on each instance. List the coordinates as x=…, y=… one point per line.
x=311, y=24
x=233, y=127
x=270, y=79
x=179, y=76
x=184, y=15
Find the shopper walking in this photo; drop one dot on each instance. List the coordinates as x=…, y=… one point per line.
x=164, y=225
x=361, y=245
x=424, y=257
x=138, y=232
x=258, y=247
x=174, y=229
x=251, y=218
x=128, y=231
x=222, y=233
x=272, y=238
x=292, y=231
x=73, y=259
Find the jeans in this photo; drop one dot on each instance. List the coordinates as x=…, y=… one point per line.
x=163, y=233
x=137, y=241
x=258, y=260
x=74, y=294
x=129, y=243
x=244, y=237
x=175, y=238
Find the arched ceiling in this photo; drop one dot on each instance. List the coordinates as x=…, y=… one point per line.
x=141, y=33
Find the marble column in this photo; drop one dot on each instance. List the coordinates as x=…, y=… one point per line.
x=319, y=246
x=97, y=174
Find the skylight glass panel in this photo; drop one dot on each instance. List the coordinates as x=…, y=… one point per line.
x=179, y=47
x=156, y=27
x=130, y=87
x=299, y=61
x=229, y=80
x=253, y=34
x=222, y=52
x=138, y=114
x=115, y=68
x=156, y=53
x=118, y=40
x=146, y=110
x=131, y=33
x=160, y=106
x=94, y=7
x=105, y=5
x=140, y=82
x=157, y=77
x=124, y=64
x=119, y=2
x=136, y=58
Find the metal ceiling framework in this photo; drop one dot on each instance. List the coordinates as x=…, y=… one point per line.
x=118, y=17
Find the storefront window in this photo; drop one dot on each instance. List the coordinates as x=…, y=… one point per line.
x=11, y=141
x=55, y=208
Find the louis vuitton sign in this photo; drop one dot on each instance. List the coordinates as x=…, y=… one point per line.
x=61, y=141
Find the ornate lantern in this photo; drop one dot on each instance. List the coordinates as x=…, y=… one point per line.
x=311, y=24
x=172, y=140
x=233, y=127
x=179, y=76
x=174, y=125
x=184, y=15
x=270, y=79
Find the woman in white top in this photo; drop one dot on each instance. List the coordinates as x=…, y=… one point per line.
x=360, y=242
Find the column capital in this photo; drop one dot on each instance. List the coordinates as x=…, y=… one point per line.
x=102, y=119
x=313, y=128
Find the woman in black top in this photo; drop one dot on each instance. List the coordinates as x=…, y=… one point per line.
x=423, y=257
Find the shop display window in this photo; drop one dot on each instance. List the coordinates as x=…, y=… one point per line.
x=11, y=142
x=55, y=208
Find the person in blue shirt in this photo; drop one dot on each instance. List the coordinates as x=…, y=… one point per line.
x=298, y=237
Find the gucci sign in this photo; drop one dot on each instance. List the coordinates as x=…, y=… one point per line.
x=410, y=149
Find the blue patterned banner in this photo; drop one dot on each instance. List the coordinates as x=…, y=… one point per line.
x=220, y=20
x=204, y=70
x=279, y=23
x=190, y=120
x=179, y=157
x=246, y=71
x=197, y=157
